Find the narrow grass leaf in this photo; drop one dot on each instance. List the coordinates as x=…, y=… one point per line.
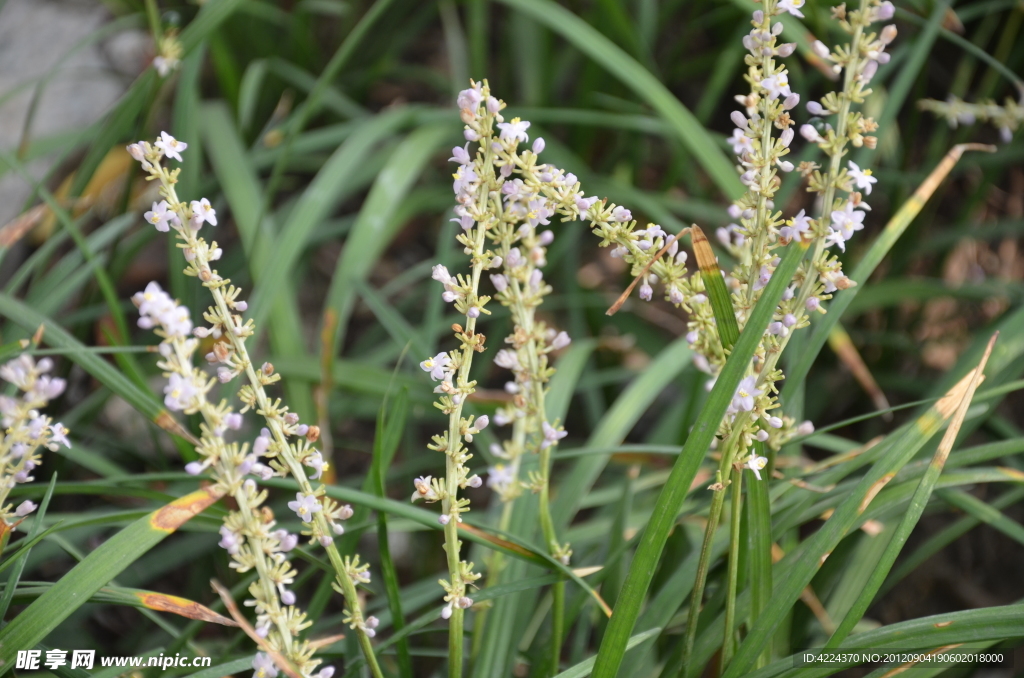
x=99, y=567
x=598, y=47
x=801, y=564
x=684, y=469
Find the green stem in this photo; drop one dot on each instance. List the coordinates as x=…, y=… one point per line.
x=264, y=405
x=728, y=645
x=714, y=516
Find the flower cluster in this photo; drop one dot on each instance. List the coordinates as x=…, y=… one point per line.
x=24, y=430
x=1007, y=118
x=765, y=131
x=248, y=533
x=284, y=446
x=531, y=193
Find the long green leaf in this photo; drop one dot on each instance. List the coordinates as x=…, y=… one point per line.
x=89, y=576
x=374, y=228
x=332, y=184
x=685, y=468
x=922, y=494
x=598, y=47
x=615, y=425
x=801, y=564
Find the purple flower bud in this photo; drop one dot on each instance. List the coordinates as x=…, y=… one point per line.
x=646, y=292
x=500, y=282
x=241, y=306
x=786, y=49
x=885, y=11
x=481, y=422
x=193, y=468
x=762, y=435
x=791, y=101
x=473, y=312
x=560, y=341
x=24, y=508
x=820, y=49
x=546, y=237
x=538, y=145
x=813, y=303
x=738, y=119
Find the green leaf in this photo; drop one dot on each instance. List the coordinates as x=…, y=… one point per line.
x=586, y=667
x=615, y=425
x=332, y=184
x=594, y=44
x=108, y=560
x=374, y=228
x=670, y=500
x=801, y=564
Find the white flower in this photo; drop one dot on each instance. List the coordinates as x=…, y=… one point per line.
x=179, y=392
x=59, y=434
x=424, y=489
x=741, y=143
x=808, y=132
x=465, y=179
x=514, y=130
x=745, y=394
x=792, y=6
x=161, y=216
x=500, y=477
x=316, y=462
x=777, y=85
x=862, y=178
x=437, y=366
x=560, y=341
x=305, y=505
x=551, y=435
x=847, y=220
x=507, y=359
x=796, y=226
x=264, y=666
x=460, y=154
x=469, y=99
x=756, y=463
x=202, y=211
x=164, y=65
x=170, y=146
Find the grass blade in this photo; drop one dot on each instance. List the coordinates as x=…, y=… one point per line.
x=598, y=47
x=99, y=567
x=685, y=467
x=917, y=505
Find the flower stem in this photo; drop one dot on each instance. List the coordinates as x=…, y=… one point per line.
x=272, y=414
x=729, y=642
x=714, y=516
